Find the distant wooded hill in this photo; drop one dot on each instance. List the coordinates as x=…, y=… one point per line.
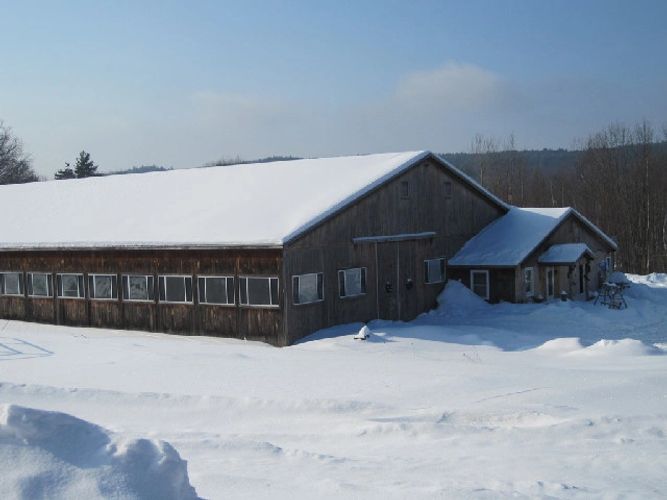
x=618, y=180
x=547, y=159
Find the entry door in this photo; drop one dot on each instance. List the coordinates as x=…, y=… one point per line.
x=409, y=266
x=388, y=280
x=397, y=280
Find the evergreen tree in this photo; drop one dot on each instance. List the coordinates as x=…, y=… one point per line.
x=65, y=173
x=84, y=166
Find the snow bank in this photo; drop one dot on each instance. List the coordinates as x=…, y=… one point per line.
x=603, y=347
x=456, y=299
x=656, y=280
x=622, y=347
x=56, y=455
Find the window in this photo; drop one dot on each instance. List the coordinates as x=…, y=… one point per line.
x=528, y=282
x=308, y=288
x=39, y=284
x=448, y=189
x=70, y=286
x=582, y=275
x=405, y=190
x=11, y=284
x=434, y=270
x=138, y=287
x=352, y=282
x=258, y=291
x=479, y=283
x=216, y=289
x=550, y=282
x=103, y=286
x=175, y=288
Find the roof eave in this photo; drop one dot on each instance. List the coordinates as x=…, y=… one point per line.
x=139, y=247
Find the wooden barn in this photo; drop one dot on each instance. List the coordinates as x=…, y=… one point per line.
x=269, y=252
x=535, y=254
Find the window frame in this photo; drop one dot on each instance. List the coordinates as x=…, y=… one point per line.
x=443, y=260
x=297, y=277
x=485, y=272
x=259, y=306
x=21, y=283
x=405, y=190
x=167, y=301
x=225, y=304
x=447, y=189
x=363, y=280
x=80, y=290
x=50, y=289
x=531, y=292
x=127, y=298
x=114, y=286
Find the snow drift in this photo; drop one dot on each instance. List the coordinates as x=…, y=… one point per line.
x=56, y=455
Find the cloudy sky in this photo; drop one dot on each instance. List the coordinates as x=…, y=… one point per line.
x=182, y=83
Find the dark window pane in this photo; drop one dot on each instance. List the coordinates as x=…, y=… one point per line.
x=320, y=286
x=295, y=290
x=259, y=292
x=479, y=284
x=230, y=290
x=70, y=285
x=243, y=283
x=201, y=287
x=12, y=283
x=188, y=289
x=341, y=283
x=354, y=282
x=216, y=291
x=151, y=287
x=175, y=289
x=102, y=287
x=274, y=291
x=138, y=289
x=435, y=270
x=308, y=290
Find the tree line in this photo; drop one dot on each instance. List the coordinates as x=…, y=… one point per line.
x=618, y=180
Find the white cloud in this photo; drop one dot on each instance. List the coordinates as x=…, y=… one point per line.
x=454, y=87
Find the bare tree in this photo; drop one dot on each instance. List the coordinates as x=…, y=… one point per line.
x=15, y=164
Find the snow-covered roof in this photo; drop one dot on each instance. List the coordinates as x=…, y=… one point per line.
x=510, y=239
x=263, y=204
x=564, y=253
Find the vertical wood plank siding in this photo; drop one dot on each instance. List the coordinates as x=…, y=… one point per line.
x=218, y=320
x=329, y=247
x=507, y=284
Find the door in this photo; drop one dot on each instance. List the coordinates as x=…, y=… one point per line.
x=387, y=280
x=550, y=283
x=409, y=266
x=398, y=265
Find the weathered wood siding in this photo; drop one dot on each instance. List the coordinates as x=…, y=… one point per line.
x=327, y=248
x=570, y=230
x=219, y=320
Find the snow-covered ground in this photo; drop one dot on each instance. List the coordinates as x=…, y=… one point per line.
x=472, y=400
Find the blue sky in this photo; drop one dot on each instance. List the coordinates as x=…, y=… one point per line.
x=179, y=84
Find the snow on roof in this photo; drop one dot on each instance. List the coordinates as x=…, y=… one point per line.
x=263, y=204
x=510, y=239
x=565, y=253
